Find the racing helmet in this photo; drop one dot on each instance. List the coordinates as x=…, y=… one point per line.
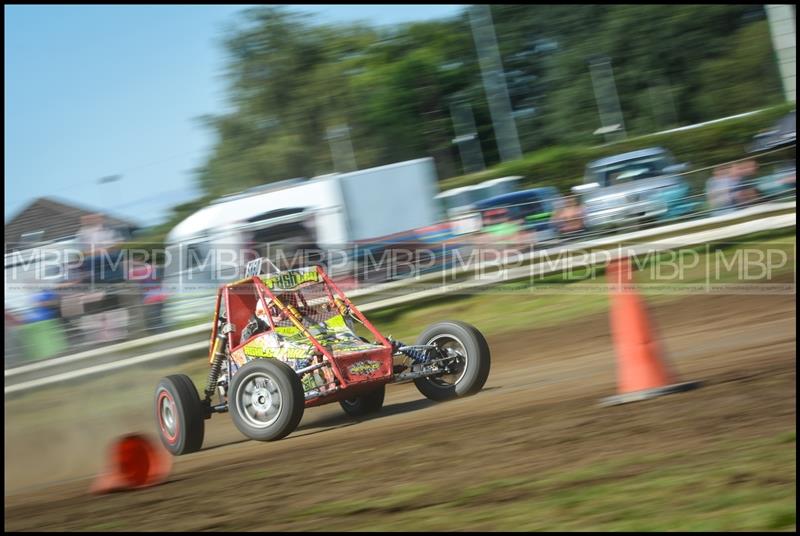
x=272, y=310
x=267, y=310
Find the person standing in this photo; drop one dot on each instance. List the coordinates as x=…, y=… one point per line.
x=719, y=190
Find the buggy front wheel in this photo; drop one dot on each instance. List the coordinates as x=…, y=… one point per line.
x=266, y=400
x=466, y=359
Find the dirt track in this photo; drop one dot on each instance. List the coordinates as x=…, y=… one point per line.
x=538, y=412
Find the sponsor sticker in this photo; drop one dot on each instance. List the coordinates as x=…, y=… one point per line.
x=364, y=368
x=291, y=279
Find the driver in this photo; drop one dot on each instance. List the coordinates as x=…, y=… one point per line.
x=260, y=321
x=273, y=311
x=270, y=311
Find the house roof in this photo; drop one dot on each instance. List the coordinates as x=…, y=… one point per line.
x=56, y=220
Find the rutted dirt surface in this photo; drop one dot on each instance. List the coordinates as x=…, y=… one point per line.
x=538, y=412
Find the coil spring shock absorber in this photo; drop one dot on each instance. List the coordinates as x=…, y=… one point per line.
x=418, y=355
x=216, y=364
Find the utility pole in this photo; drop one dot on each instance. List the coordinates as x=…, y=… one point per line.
x=605, y=93
x=494, y=82
x=782, y=28
x=469, y=145
x=344, y=159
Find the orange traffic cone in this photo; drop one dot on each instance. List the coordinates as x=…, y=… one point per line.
x=135, y=461
x=642, y=371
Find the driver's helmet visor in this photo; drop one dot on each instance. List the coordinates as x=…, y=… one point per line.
x=267, y=308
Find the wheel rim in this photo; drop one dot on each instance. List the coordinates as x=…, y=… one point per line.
x=453, y=347
x=259, y=401
x=167, y=414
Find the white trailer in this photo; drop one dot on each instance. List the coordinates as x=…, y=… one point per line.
x=330, y=211
x=389, y=199
x=347, y=206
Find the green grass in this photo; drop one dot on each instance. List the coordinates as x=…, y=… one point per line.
x=547, y=301
x=742, y=486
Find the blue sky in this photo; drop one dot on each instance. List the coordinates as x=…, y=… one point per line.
x=93, y=91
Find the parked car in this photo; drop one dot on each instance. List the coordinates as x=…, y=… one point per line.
x=526, y=210
x=458, y=204
x=779, y=179
x=782, y=134
x=633, y=188
x=779, y=182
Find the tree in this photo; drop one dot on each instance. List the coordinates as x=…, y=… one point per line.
x=290, y=80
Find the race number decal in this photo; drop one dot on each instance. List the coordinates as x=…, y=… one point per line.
x=253, y=267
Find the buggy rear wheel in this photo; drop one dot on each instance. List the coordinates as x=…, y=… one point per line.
x=468, y=366
x=364, y=404
x=179, y=415
x=266, y=400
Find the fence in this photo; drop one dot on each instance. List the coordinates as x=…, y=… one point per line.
x=86, y=327
x=194, y=340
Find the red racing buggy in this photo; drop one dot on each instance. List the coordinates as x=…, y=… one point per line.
x=287, y=340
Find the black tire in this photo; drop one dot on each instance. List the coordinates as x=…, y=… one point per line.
x=243, y=406
x=179, y=413
x=364, y=404
x=475, y=366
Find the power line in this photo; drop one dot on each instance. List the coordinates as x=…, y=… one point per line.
x=93, y=182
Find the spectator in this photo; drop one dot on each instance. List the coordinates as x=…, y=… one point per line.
x=94, y=235
x=48, y=306
x=719, y=190
x=96, y=240
x=745, y=192
x=789, y=179
x=568, y=218
x=43, y=335
x=153, y=296
x=105, y=314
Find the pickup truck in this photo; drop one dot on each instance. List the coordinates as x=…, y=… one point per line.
x=634, y=188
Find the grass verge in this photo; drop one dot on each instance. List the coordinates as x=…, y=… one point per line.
x=538, y=302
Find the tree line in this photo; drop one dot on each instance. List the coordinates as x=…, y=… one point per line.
x=298, y=88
